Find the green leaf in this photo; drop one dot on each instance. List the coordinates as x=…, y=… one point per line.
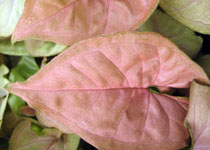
x=192, y=13
x=35, y=48
x=41, y=48
x=204, y=61
x=3, y=71
x=3, y=103
x=24, y=69
x=3, y=93
x=11, y=10
x=18, y=49
x=23, y=138
x=184, y=38
x=15, y=104
x=36, y=128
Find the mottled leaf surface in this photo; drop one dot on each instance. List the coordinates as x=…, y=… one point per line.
x=11, y=10
x=193, y=13
x=182, y=36
x=3, y=103
x=69, y=21
x=198, y=118
x=204, y=61
x=98, y=89
x=23, y=138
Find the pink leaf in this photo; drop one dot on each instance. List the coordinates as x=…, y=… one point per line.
x=198, y=116
x=69, y=21
x=97, y=89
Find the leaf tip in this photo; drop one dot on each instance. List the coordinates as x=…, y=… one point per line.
x=11, y=88
x=13, y=40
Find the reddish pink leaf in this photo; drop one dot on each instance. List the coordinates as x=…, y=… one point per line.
x=96, y=89
x=68, y=21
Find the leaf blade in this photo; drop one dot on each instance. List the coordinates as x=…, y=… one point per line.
x=194, y=14
x=85, y=19
x=90, y=100
x=197, y=118
x=184, y=38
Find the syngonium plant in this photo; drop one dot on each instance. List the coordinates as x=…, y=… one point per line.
x=111, y=86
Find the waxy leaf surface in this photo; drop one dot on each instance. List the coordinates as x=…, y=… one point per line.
x=195, y=14
x=23, y=138
x=11, y=10
x=98, y=89
x=198, y=116
x=184, y=38
x=69, y=21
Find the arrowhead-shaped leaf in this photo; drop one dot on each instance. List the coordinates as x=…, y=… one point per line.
x=198, y=118
x=23, y=138
x=98, y=89
x=192, y=13
x=11, y=10
x=184, y=38
x=69, y=21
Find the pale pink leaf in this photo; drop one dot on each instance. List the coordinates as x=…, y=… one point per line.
x=198, y=116
x=68, y=21
x=97, y=89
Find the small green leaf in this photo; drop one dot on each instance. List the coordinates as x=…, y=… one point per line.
x=3, y=93
x=18, y=49
x=3, y=71
x=3, y=103
x=24, y=69
x=36, y=128
x=154, y=89
x=40, y=48
x=23, y=138
x=184, y=38
x=192, y=13
x=35, y=48
x=15, y=104
x=11, y=10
